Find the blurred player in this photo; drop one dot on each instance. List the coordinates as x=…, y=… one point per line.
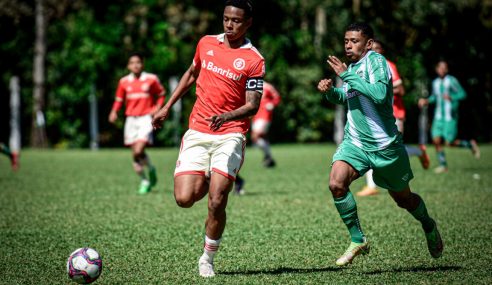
x=14, y=157
x=262, y=121
x=228, y=71
x=446, y=94
x=143, y=95
x=399, y=113
x=371, y=140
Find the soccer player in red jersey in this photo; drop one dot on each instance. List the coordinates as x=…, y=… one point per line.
x=143, y=95
x=262, y=121
x=228, y=72
x=399, y=113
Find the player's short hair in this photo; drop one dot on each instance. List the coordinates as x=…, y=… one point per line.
x=137, y=54
x=362, y=27
x=246, y=5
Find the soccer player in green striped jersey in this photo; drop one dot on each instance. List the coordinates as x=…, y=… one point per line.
x=371, y=140
x=446, y=94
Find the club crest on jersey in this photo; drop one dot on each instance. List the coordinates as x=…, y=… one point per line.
x=239, y=63
x=145, y=87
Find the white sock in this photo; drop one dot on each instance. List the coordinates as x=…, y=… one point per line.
x=369, y=180
x=210, y=248
x=265, y=146
x=411, y=150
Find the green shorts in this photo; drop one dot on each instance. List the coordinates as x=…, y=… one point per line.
x=391, y=166
x=448, y=130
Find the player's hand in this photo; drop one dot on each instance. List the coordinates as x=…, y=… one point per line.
x=423, y=102
x=113, y=116
x=216, y=121
x=324, y=85
x=159, y=117
x=446, y=97
x=337, y=65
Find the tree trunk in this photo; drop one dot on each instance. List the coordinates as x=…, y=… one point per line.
x=38, y=131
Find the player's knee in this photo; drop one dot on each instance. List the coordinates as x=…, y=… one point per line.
x=216, y=205
x=183, y=201
x=337, y=188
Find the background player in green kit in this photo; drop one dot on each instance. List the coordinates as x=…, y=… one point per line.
x=371, y=140
x=446, y=94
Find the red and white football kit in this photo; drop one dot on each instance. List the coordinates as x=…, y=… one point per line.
x=141, y=97
x=225, y=74
x=269, y=100
x=398, y=106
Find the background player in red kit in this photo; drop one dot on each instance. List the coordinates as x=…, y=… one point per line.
x=262, y=121
x=228, y=72
x=143, y=95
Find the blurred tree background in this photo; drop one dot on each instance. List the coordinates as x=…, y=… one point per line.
x=88, y=41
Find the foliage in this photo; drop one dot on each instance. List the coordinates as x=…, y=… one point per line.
x=89, y=40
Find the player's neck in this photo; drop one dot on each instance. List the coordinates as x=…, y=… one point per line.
x=137, y=75
x=236, y=43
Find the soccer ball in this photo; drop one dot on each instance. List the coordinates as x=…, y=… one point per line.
x=84, y=265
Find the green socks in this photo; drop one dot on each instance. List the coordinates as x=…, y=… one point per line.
x=420, y=213
x=347, y=208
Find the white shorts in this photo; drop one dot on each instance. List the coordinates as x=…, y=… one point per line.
x=138, y=129
x=260, y=126
x=400, y=123
x=203, y=153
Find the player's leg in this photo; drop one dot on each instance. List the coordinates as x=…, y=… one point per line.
x=226, y=160
x=145, y=134
x=438, y=133
x=470, y=144
x=415, y=205
x=190, y=188
x=239, y=185
x=370, y=188
x=259, y=133
x=348, y=163
x=139, y=163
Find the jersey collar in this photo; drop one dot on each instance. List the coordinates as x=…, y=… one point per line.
x=142, y=77
x=247, y=43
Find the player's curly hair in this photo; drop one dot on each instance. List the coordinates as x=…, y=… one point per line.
x=246, y=5
x=362, y=27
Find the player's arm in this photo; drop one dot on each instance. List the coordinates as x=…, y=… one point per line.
x=458, y=93
x=185, y=83
x=118, y=103
x=332, y=94
x=375, y=91
x=253, y=98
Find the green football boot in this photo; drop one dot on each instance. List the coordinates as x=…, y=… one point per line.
x=144, y=187
x=352, y=251
x=152, y=176
x=434, y=242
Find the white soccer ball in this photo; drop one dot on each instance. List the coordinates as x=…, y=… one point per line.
x=84, y=265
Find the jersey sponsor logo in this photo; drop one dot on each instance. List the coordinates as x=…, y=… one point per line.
x=239, y=63
x=352, y=93
x=210, y=52
x=254, y=84
x=224, y=72
x=129, y=89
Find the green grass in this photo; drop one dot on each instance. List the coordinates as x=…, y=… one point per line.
x=284, y=231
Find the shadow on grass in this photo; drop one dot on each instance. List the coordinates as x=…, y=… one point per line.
x=281, y=270
x=416, y=269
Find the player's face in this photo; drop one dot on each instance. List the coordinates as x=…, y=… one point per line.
x=356, y=45
x=377, y=48
x=235, y=23
x=442, y=69
x=135, y=65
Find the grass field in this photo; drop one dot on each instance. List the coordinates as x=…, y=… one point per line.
x=284, y=231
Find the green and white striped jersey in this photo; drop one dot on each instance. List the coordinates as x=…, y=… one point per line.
x=446, y=110
x=368, y=93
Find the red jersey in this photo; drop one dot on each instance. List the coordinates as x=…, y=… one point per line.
x=141, y=95
x=225, y=75
x=398, y=106
x=269, y=100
